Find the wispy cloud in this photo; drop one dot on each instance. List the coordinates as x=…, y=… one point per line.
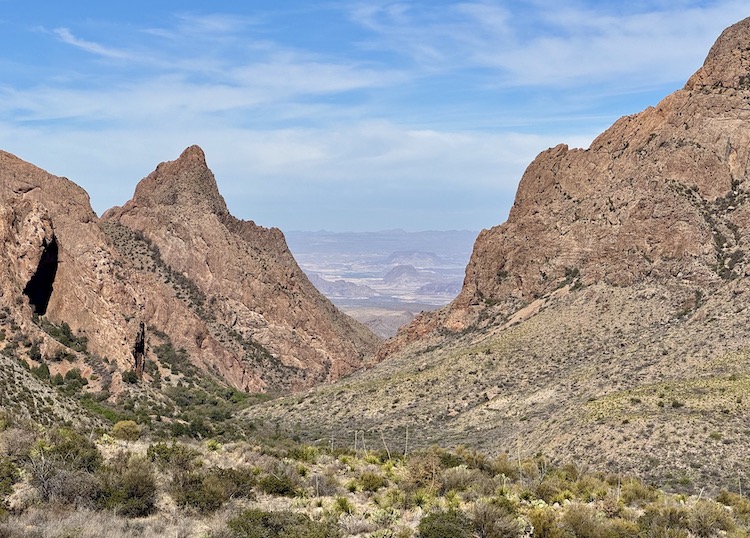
x=66, y=36
x=552, y=43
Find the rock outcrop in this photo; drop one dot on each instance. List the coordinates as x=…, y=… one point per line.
x=172, y=261
x=660, y=196
x=256, y=317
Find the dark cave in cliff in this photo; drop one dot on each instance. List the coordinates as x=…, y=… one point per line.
x=39, y=288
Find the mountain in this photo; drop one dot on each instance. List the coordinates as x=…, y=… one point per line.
x=605, y=323
x=170, y=270
x=255, y=303
x=341, y=288
x=415, y=258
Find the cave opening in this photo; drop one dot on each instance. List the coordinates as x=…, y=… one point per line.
x=39, y=288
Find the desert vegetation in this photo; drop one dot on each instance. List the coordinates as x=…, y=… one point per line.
x=118, y=481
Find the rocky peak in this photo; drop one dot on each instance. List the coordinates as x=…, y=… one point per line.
x=660, y=197
x=186, y=182
x=728, y=62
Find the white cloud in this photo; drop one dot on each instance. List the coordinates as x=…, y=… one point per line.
x=66, y=36
x=554, y=44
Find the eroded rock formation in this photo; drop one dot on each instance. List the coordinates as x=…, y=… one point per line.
x=174, y=259
x=661, y=195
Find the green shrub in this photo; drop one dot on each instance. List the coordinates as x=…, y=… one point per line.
x=544, y=522
x=203, y=491
x=451, y=524
x=739, y=503
x=130, y=376
x=372, y=481
x=127, y=430
x=72, y=450
x=580, y=520
x=256, y=523
x=8, y=476
x=664, y=520
x=343, y=505
x=175, y=456
x=635, y=492
x=279, y=482
x=237, y=481
x=128, y=487
x=707, y=518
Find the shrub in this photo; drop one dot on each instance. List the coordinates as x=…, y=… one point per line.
x=203, y=491
x=451, y=524
x=494, y=521
x=343, y=505
x=739, y=503
x=127, y=430
x=176, y=456
x=580, y=521
x=80, y=489
x=372, y=481
x=708, y=518
x=254, y=523
x=130, y=376
x=8, y=476
x=72, y=450
x=129, y=487
x=544, y=522
x=664, y=520
x=424, y=470
x=280, y=485
x=634, y=491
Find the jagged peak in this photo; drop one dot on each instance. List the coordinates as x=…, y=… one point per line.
x=186, y=182
x=728, y=62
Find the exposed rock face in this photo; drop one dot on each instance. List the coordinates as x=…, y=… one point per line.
x=56, y=260
x=262, y=323
x=173, y=259
x=661, y=195
x=606, y=322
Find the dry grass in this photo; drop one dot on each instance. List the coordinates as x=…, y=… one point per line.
x=582, y=378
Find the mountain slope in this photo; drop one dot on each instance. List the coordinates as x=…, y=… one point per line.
x=606, y=320
x=257, y=305
x=97, y=299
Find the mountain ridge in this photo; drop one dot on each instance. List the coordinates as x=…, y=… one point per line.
x=605, y=322
x=103, y=279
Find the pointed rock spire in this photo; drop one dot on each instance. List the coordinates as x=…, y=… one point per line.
x=185, y=182
x=728, y=62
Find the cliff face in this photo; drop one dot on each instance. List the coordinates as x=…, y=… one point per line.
x=660, y=196
x=172, y=259
x=56, y=260
x=260, y=315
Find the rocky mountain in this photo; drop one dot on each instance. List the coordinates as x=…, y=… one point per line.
x=606, y=321
x=171, y=269
x=660, y=196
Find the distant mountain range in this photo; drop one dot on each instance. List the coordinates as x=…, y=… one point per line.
x=384, y=278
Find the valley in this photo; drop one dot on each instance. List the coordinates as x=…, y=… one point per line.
x=383, y=279
x=580, y=370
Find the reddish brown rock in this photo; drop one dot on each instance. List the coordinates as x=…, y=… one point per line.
x=252, y=290
x=173, y=258
x=661, y=195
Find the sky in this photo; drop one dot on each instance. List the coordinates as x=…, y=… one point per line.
x=337, y=115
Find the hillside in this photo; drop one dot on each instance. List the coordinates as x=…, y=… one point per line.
x=606, y=321
x=169, y=283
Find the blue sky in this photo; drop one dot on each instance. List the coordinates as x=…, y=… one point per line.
x=341, y=115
